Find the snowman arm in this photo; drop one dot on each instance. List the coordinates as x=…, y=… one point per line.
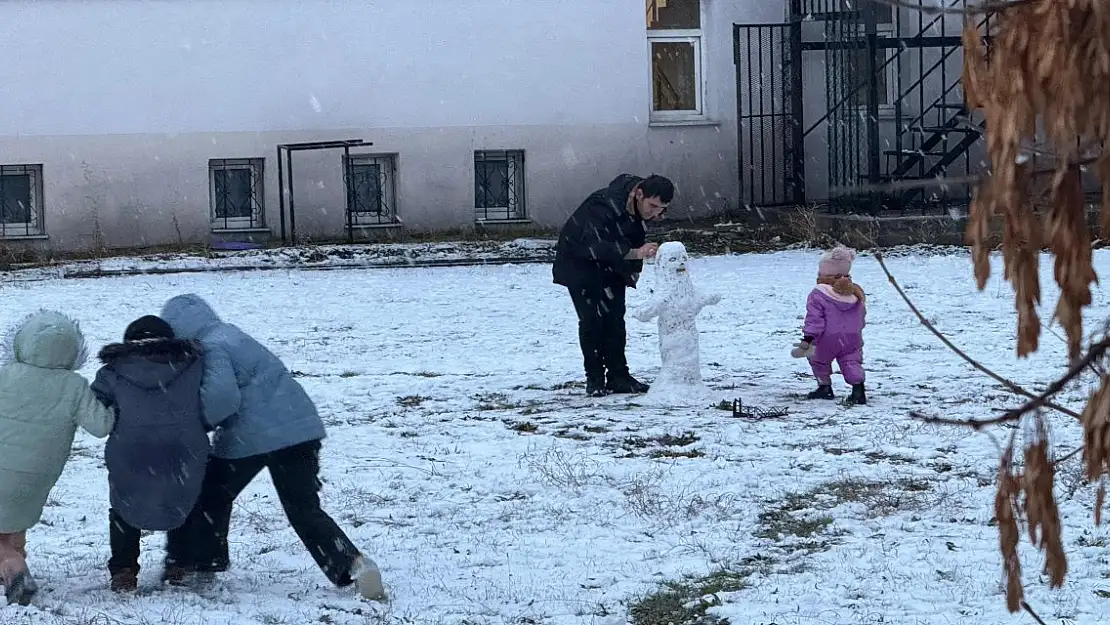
x=706, y=299
x=648, y=311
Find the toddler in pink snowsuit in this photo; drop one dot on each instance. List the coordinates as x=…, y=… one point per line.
x=836, y=312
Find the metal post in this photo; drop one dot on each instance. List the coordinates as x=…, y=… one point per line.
x=281, y=194
x=797, y=132
x=736, y=56
x=874, y=161
x=347, y=171
x=292, y=210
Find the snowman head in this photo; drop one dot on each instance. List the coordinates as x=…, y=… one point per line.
x=671, y=259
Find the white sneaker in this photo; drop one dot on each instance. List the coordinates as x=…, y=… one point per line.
x=368, y=579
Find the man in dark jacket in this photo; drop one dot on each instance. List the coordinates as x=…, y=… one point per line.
x=157, y=452
x=600, y=253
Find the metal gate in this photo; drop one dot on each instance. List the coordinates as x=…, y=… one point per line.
x=769, y=113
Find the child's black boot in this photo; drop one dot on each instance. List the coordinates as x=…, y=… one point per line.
x=823, y=391
x=21, y=589
x=858, y=396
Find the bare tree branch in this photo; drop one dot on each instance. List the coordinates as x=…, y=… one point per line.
x=1096, y=351
x=1010, y=385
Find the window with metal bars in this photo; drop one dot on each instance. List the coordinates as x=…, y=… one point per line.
x=236, y=190
x=372, y=189
x=499, y=185
x=21, y=209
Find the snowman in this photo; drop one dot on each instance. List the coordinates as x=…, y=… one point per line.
x=676, y=303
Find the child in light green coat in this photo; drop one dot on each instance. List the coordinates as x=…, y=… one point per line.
x=43, y=400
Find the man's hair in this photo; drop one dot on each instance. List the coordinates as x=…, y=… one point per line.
x=658, y=186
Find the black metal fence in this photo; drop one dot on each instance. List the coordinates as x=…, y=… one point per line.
x=893, y=125
x=769, y=111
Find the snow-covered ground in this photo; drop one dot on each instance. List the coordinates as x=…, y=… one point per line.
x=317, y=257
x=463, y=455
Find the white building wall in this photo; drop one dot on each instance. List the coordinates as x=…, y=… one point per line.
x=124, y=103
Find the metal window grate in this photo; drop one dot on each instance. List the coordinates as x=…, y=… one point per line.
x=499, y=185
x=372, y=188
x=21, y=209
x=236, y=189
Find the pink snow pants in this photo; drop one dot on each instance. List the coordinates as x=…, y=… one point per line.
x=13, y=556
x=847, y=353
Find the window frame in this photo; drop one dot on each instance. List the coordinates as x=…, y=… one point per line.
x=518, y=187
x=885, y=30
x=257, y=168
x=389, y=215
x=35, y=226
x=695, y=37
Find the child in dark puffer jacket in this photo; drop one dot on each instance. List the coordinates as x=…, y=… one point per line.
x=157, y=453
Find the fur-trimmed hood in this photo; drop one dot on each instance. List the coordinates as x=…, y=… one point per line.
x=151, y=363
x=46, y=339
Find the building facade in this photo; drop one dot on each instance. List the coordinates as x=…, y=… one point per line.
x=128, y=124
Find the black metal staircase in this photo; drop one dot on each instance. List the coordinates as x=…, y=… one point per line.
x=932, y=130
x=926, y=151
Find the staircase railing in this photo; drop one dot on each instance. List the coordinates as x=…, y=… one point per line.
x=917, y=86
x=952, y=117
x=851, y=93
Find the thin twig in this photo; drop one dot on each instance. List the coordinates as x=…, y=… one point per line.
x=1012, y=386
x=937, y=181
x=975, y=424
x=930, y=9
x=904, y=185
x=1068, y=456
x=1025, y=606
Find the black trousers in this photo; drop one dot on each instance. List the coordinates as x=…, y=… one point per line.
x=601, y=331
x=124, y=539
x=295, y=472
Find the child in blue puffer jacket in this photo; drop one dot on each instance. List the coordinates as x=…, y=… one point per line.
x=267, y=421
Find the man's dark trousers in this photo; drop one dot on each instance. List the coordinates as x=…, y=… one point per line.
x=601, y=331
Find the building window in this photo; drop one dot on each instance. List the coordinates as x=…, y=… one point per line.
x=21, y=210
x=236, y=190
x=372, y=185
x=674, y=30
x=499, y=185
x=887, y=79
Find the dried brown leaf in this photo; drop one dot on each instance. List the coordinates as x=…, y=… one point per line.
x=1100, y=499
x=1004, y=511
x=1096, y=431
x=1070, y=242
